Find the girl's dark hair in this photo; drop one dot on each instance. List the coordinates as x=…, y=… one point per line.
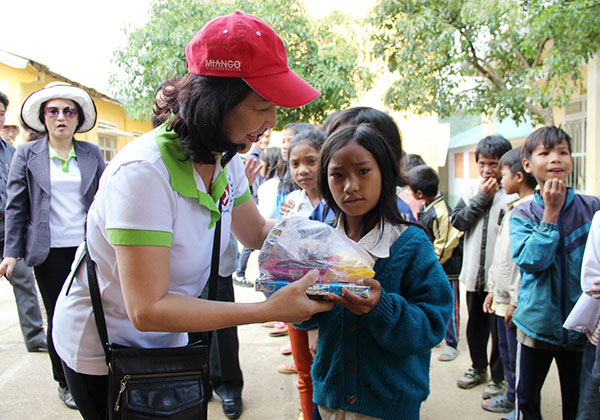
x=313, y=138
x=513, y=160
x=297, y=127
x=199, y=105
x=80, y=115
x=379, y=120
x=273, y=161
x=371, y=139
x=492, y=146
x=548, y=136
x=423, y=178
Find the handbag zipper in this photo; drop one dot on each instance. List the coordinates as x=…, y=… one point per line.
x=126, y=379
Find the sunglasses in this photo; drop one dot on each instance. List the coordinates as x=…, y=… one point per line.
x=68, y=112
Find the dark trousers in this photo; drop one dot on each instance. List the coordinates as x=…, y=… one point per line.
x=89, y=393
x=225, y=372
x=242, y=262
x=479, y=327
x=50, y=276
x=507, y=345
x=589, y=394
x=454, y=321
x=28, y=306
x=533, y=366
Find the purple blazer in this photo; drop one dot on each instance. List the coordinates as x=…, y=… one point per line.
x=27, y=214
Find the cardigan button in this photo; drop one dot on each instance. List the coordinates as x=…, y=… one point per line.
x=352, y=327
x=350, y=399
x=351, y=366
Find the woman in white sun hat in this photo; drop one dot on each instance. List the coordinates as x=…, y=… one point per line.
x=159, y=199
x=51, y=184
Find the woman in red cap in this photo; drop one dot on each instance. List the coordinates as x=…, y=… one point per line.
x=151, y=226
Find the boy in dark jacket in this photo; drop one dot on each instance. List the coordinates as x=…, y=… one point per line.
x=447, y=244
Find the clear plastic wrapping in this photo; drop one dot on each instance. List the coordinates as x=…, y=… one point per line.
x=297, y=245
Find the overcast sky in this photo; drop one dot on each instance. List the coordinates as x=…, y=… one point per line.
x=77, y=38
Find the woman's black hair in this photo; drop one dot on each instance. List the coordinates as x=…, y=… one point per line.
x=80, y=114
x=379, y=120
x=273, y=161
x=199, y=104
x=371, y=139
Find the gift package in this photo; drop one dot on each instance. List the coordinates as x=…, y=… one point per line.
x=297, y=245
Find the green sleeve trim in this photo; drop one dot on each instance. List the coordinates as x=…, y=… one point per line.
x=243, y=198
x=139, y=237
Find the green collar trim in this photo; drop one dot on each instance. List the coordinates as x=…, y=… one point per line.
x=65, y=162
x=181, y=171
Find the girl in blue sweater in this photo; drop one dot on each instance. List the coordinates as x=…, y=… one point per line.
x=373, y=353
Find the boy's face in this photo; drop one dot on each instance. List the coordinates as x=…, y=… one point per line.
x=547, y=163
x=488, y=167
x=510, y=182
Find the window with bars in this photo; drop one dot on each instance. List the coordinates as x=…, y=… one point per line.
x=108, y=146
x=575, y=126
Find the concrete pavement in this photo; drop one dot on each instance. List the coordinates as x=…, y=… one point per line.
x=27, y=390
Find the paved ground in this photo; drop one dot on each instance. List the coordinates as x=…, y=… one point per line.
x=27, y=390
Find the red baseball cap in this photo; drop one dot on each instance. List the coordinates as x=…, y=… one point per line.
x=244, y=46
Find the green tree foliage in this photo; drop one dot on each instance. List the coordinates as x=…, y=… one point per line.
x=317, y=51
x=510, y=58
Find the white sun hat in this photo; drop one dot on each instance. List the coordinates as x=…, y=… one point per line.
x=30, y=111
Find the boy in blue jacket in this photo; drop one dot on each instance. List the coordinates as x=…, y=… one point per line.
x=547, y=239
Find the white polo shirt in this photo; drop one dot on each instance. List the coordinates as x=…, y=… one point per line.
x=149, y=194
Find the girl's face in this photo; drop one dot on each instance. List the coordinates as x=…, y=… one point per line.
x=354, y=180
x=304, y=166
x=60, y=116
x=248, y=119
x=286, y=138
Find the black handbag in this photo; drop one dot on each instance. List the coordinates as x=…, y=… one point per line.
x=159, y=382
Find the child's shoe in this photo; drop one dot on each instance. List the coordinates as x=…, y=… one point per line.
x=498, y=404
x=286, y=349
x=493, y=389
x=448, y=354
x=287, y=367
x=279, y=330
x=471, y=378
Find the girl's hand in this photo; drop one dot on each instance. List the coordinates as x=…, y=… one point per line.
x=252, y=168
x=7, y=266
x=509, y=315
x=290, y=303
x=487, y=304
x=313, y=337
x=356, y=304
x=286, y=207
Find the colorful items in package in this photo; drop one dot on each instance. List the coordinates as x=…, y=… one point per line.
x=317, y=289
x=297, y=245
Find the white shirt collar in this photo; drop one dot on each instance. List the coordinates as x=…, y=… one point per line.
x=377, y=246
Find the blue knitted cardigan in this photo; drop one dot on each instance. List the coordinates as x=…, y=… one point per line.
x=377, y=364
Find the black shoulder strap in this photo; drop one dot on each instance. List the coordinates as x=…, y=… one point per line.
x=97, y=300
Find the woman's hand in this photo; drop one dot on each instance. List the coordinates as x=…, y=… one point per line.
x=290, y=303
x=7, y=266
x=594, y=291
x=356, y=304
